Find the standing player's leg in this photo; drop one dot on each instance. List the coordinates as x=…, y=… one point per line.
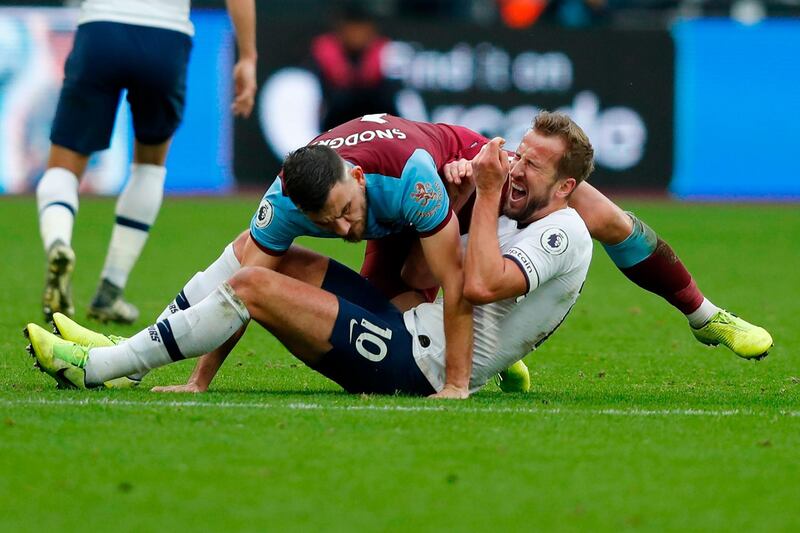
x=57, y=201
x=82, y=125
x=136, y=211
x=155, y=61
x=649, y=262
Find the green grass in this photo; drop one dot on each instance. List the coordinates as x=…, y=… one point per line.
x=631, y=424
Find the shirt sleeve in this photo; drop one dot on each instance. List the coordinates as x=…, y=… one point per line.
x=272, y=227
x=542, y=254
x=425, y=203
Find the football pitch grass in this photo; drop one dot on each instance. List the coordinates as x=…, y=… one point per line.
x=630, y=425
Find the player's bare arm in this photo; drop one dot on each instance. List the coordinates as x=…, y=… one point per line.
x=243, y=15
x=489, y=276
x=457, y=178
x=443, y=255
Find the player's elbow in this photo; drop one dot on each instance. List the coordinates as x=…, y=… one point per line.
x=478, y=293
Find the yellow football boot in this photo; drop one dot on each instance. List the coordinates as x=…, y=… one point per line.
x=743, y=338
x=72, y=331
x=61, y=359
x=515, y=378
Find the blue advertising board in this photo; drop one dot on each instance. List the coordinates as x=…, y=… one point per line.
x=201, y=157
x=34, y=43
x=737, y=109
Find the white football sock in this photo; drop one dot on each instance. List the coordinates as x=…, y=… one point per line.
x=204, y=282
x=137, y=209
x=57, y=200
x=200, y=286
x=702, y=314
x=186, y=334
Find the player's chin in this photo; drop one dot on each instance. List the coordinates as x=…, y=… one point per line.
x=511, y=210
x=355, y=236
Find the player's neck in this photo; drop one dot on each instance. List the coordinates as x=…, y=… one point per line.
x=539, y=214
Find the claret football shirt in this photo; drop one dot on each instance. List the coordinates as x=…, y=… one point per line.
x=401, y=159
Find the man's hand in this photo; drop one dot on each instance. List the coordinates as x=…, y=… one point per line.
x=451, y=392
x=188, y=387
x=243, y=16
x=490, y=166
x=244, y=79
x=457, y=177
x=457, y=171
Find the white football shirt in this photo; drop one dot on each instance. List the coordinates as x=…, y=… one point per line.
x=166, y=14
x=554, y=254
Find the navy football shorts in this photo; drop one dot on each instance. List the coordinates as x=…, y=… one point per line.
x=108, y=57
x=372, y=349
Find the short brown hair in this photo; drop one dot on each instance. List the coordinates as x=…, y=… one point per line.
x=578, y=159
x=309, y=174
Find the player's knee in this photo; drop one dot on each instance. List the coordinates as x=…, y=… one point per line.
x=605, y=220
x=61, y=157
x=250, y=282
x=245, y=279
x=610, y=226
x=151, y=154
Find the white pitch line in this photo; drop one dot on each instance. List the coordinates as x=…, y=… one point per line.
x=303, y=406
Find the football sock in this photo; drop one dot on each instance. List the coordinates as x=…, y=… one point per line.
x=703, y=314
x=650, y=263
x=185, y=334
x=57, y=201
x=203, y=283
x=200, y=286
x=137, y=209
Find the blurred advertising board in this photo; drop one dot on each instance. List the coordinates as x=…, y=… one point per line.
x=617, y=85
x=738, y=109
x=34, y=44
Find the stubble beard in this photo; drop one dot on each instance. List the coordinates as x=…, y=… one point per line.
x=527, y=213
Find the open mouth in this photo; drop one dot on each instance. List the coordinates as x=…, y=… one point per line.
x=518, y=192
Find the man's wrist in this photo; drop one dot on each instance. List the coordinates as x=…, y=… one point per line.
x=462, y=392
x=193, y=382
x=457, y=385
x=491, y=193
x=249, y=57
x=200, y=378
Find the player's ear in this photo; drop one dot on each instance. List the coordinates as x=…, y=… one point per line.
x=358, y=174
x=566, y=187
